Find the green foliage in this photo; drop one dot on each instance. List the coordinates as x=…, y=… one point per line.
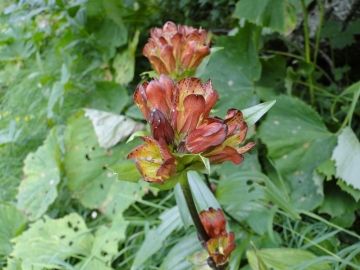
x=69, y=199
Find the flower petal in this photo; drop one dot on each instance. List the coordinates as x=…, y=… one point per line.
x=140, y=99
x=160, y=127
x=206, y=136
x=214, y=222
x=211, y=97
x=223, y=153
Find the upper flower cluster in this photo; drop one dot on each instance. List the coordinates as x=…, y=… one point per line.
x=173, y=50
x=178, y=114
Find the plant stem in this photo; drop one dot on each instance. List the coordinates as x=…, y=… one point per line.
x=307, y=51
x=184, y=183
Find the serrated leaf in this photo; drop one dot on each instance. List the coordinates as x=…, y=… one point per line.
x=111, y=128
x=283, y=258
x=298, y=142
x=38, y=189
x=126, y=171
x=51, y=240
x=279, y=15
x=327, y=168
x=347, y=158
x=12, y=223
x=154, y=239
x=253, y=114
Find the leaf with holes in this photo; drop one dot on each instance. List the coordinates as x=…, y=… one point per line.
x=105, y=245
x=86, y=165
x=52, y=240
x=298, y=142
x=111, y=128
x=41, y=176
x=12, y=223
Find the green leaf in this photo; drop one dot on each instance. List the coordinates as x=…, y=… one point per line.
x=38, y=189
x=105, y=245
x=154, y=239
x=52, y=240
x=12, y=223
x=111, y=128
x=185, y=247
x=355, y=193
x=298, y=142
x=233, y=69
x=86, y=165
x=183, y=207
x=327, y=168
x=253, y=114
x=278, y=15
x=168, y=183
x=206, y=162
x=347, y=158
x=283, y=258
x=126, y=171
x=108, y=96
x=201, y=68
x=139, y=133
x=124, y=62
x=337, y=202
x=203, y=196
x=57, y=92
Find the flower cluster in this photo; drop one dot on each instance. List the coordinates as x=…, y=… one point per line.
x=221, y=243
x=178, y=114
x=173, y=50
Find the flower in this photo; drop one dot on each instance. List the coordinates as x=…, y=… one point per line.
x=221, y=243
x=178, y=115
x=173, y=50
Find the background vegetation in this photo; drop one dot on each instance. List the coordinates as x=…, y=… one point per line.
x=68, y=72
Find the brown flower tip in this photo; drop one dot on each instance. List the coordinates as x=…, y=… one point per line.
x=172, y=49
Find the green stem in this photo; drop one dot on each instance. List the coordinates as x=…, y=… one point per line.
x=184, y=183
x=321, y=5
x=307, y=51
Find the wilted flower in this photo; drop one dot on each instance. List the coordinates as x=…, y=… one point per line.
x=178, y=115
x=173, y=50
x=221, y=243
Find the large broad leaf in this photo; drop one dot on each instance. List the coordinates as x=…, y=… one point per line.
x=283, y=258
x=52, y=241
x=109, y=97
x=41, y=176
x=105, y=246
x=154, y=239
x=111, y=128
x=234, y=69
x=279, y=15
x=298, y=142
x=347, y=158
x=86, y=165
x=12, y=223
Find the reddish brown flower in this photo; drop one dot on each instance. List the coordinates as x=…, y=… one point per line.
x=172, y=50
x=220, y=248
x=154, y=160
x=214, y=222
x=178, y=115
x=221, y=244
